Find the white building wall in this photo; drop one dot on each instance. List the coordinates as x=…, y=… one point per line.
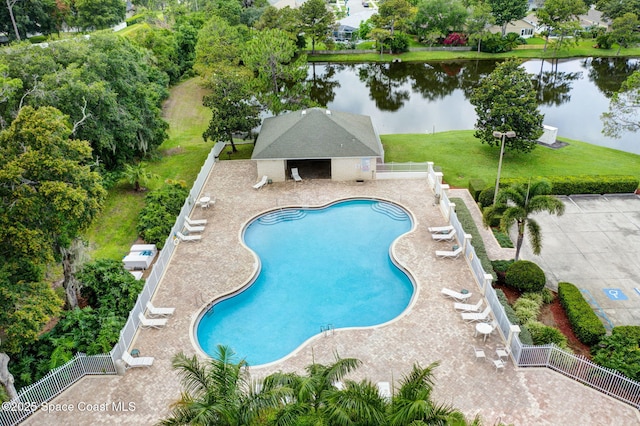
x=274, y=169
x=353, y=168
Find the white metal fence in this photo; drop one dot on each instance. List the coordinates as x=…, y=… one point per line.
x=578, y=368
x=32, y=397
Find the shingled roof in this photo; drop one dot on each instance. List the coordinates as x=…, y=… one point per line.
x=317, y=133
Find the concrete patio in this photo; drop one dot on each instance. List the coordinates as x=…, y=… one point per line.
x=428, y=331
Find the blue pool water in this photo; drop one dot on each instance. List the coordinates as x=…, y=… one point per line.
x=319, y=267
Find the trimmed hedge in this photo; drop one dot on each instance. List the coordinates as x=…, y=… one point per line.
x=583, y=184
x=525, y=276
x=584, y=322
x=631, y=331
x=475, y=187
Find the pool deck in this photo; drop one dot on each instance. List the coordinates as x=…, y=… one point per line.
x=430, y=330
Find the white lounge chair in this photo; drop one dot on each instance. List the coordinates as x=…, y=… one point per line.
x=467, y=307
x=190, y=228
x=449, y=254
x=159, y=312
x=295, y=175
x=151, y=322
x=445, y=237
x=475, y=316
x=460, y=297
x=262, y=182
x=440, y=229
x=181, y=237
x=195, y=222
x=384, y=389
x=142, y=361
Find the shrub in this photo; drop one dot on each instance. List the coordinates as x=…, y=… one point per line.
x=455, y=39
x=475, y=187
x=485, y=198
x=619, y=351
x=399, y=43
x=526, y=309
x=632, y=331
x=583, y=184
x=525, y=276
x=548, y=296
x=604, y=41
x=584, y=322
x=503, y=239
x=542, y=334
x=159, y=214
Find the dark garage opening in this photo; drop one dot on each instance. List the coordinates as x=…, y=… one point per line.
x=310, y=169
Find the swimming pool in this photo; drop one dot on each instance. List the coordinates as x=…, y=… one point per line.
x=320, y=268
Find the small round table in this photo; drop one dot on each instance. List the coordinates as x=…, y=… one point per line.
x=204, y=201
x=483, y=328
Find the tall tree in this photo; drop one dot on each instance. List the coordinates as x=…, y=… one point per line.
x=624, y=30
x=479, y=22
x=99, y=14
x=624, y=108
x=515, y=205
x=280, y=75
x=393, y=14
x=439, y=16
x=558, y=15
x=219, y=45
x=232, y=104
x=317, y=21
x=506, y=101
x=612, y=9
x=46, y=172
x=506, y=11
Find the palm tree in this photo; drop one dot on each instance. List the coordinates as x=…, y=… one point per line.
x=412, y=403
x=308, y=397
x=138, y=174
x=516, y=203
x=217, y=392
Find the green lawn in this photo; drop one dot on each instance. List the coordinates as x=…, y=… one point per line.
x=181, y=157
x=462, y=157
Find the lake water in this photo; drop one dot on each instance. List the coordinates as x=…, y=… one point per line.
x=434, y=96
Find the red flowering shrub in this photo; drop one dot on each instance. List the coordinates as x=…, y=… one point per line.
x=455, y=39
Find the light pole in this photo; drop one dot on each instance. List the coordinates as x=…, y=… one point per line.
x=503, y=136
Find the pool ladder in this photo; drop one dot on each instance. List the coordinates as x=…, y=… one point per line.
x=327, y=329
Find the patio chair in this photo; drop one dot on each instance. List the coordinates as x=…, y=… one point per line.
x=479, y=353
x=189, y=238
x=295, y=175
x=440, y=229
x=445, y=237
x=467, y=307
x=142, y=361
x=262, y=182
x=159, y=312
x=190, y=228
x=475, y=317
x=449, y=254
x=151, y=322
x=499, y=364
x=503, y=352
x=384, y=389
x=460, y=297
x=195, y=222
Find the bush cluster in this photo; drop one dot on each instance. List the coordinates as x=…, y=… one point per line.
x=111, y=292
x=475, y=187
x=620, y=351
x=543, y=335
x=495, y=43
x=525, y=276
x=159, y=214
x=583, y=184
x=584, y=322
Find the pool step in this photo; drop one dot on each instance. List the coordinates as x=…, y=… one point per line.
x=394, y=212
x=281, y=216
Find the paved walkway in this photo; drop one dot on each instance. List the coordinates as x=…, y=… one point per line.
x=428, y=331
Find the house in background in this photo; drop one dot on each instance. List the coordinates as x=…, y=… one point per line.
x=525, y=27
x=320, y=143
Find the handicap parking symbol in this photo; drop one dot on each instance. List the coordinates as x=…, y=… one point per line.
x=614, y=294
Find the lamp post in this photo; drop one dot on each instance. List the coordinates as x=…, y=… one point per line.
x=502, y=136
